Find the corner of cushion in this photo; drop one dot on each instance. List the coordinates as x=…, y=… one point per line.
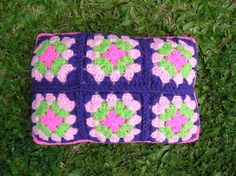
x=36, y=140
x=42, y=142
x=43, y=35
x=196, y=137
x=190, y=39
x=193, y=40
x=40, y=35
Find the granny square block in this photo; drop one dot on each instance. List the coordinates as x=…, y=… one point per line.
x=106, y=88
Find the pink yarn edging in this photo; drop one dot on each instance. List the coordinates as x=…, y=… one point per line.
x=58, y=143
x=183, y=37
x=52, y=34
x=90, y=141
x=71, y=33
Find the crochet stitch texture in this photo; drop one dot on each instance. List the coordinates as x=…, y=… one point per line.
x=113, y=89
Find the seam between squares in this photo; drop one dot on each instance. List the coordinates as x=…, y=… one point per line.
x=113, y=89
x=79, y=94
x=81, y=55
x=145, y=117
x=146, y=75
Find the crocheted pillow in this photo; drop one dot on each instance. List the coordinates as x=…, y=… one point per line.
x=114, y=89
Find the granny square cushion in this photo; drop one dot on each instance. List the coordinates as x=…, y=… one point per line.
x=105, y=88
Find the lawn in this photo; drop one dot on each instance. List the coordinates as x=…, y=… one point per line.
x=211, y=23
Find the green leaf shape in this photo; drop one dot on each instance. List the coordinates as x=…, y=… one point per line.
x=59, y=112
x=124, y=129
x=187, y=126
x=168, y=66
x=167, y=131
x=104, y=130
x=44, y=129
x=105, y=64
x=59, y=46
x=61, y=129
x=169, y=112
x=103, y=46
x=166, y=49
x=185, y=70
x=123, y=45
x=42, y=109
x=44, y=47
x=184, y=52
x=186, y=111
x=122, y=111
x=122, y=63
x=57, y=64
x=40, y=66
x=102, y=112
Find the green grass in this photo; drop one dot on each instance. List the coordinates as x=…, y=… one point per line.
x=211, y=23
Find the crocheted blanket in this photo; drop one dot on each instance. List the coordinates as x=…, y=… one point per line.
x=107, y=88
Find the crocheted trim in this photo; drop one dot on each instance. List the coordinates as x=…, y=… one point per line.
x=112, y=119
x=113, y=57
x=173, y=61
x=51, y=59
x=174, y=119
x=52, y=117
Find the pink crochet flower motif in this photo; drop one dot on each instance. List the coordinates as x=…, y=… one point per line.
x=112, y=119
x=174, y=119
x=113, y=57
x=176, y=59
x=173, y=61
x=52, y=117
x=176, y=122
x=114, y=54
x=51, y=120
x=52, y=59
x=49, y=56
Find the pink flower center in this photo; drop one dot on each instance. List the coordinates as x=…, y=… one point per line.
x=49, y=56
x=113, y=121
x=176, y=122
x=114, y=54
x=51, y=120
x=176, y=59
